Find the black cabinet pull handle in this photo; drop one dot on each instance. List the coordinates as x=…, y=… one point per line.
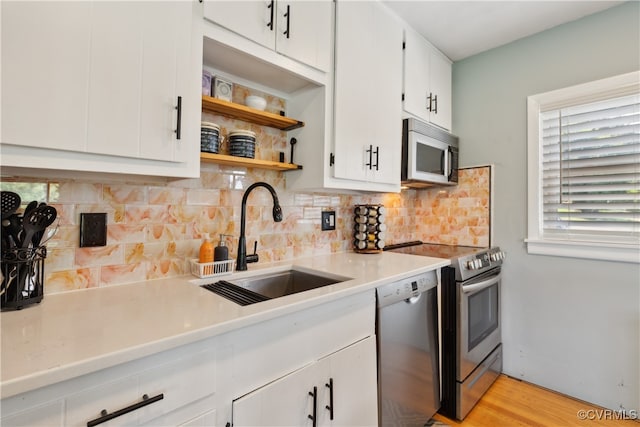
x=288, y=15
x=377, y=153
x=179, y=119
x=271, y=6
x=314, y=417
x=435, y=101
x=370, y=151
x=330, y=405
x=429, y=102
x=106, y=416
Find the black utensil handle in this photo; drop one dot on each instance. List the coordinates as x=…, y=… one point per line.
x=288, y=16
x=330, y=405
x=105, y=416
x=271, y=6
x=314, y=416
x=179, y=118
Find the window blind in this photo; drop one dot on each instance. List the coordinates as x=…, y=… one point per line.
x=591, y=169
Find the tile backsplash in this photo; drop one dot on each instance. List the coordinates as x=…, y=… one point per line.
x=154, y=229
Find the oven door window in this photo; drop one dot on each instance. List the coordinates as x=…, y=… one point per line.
x=483, y=315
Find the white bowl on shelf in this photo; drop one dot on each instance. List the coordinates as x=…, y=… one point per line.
x=257, y=102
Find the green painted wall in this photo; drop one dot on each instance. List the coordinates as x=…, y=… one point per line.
x=571, y=325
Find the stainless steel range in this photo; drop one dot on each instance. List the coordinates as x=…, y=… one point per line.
x=470, y=313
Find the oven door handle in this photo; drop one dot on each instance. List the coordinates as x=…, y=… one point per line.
x=468, y=289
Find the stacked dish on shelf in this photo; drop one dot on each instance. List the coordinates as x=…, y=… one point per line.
x=242, y=143
x=209, y=137
x=370, y=228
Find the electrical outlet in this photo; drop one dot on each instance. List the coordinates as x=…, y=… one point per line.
x=93, y=229
x=328, y=220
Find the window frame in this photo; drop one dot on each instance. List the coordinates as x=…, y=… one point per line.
x=581, y=245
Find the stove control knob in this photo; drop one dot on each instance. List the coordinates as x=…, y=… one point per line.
x=478, y=263
x=470, y=265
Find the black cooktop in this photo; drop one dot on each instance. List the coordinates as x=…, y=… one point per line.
x=433, y=249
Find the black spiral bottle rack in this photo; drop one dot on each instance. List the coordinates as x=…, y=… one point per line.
x=369, y=228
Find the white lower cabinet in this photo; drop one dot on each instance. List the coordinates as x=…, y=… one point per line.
x=339, y=389
x=49, y=414
x=207, y=419
x=166, y=389
x=259, y=375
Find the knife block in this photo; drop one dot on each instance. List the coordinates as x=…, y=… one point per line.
x=22, y=277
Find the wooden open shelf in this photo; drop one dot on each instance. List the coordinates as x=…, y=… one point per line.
x=248, y=114
x=222, y=159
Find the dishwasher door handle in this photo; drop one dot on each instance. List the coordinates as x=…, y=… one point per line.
x=414, y=300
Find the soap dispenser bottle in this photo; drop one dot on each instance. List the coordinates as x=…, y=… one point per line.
x=221, y=252
x=206, y=250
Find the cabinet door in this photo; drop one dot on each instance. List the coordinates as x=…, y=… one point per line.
x=204, y=420
x=440, y=72
x=353, y=374
x=304, y=31
x=416, y=75
x=96, y=77
x=255, y=20
x=368, y=88
x=426, y=73
x=285, y=402
x=45, y=73
x=133, y=85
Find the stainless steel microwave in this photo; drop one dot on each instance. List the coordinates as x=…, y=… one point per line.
x=429, y=155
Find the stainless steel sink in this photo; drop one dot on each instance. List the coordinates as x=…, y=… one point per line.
x=286, y=282
x=258, y=288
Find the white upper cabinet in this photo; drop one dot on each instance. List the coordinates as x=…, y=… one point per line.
x=99, y=79
x=140, y=70
x=45, y=73
x=368, y=88
x=300, y=30
x=427, y=81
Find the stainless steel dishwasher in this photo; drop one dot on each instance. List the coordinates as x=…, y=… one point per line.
x=408, y=355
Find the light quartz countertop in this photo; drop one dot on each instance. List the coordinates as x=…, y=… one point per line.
x=75, y=333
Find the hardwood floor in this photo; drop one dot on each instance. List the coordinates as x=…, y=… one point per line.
x=510, y=402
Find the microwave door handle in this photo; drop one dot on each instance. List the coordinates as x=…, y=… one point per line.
x=449, y=163
x=443, y=163
x=467, y=289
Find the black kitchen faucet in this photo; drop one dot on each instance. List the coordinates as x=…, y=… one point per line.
x=243, y=259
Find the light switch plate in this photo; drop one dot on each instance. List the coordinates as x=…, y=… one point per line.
x=93, y=229
x=328, y=220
